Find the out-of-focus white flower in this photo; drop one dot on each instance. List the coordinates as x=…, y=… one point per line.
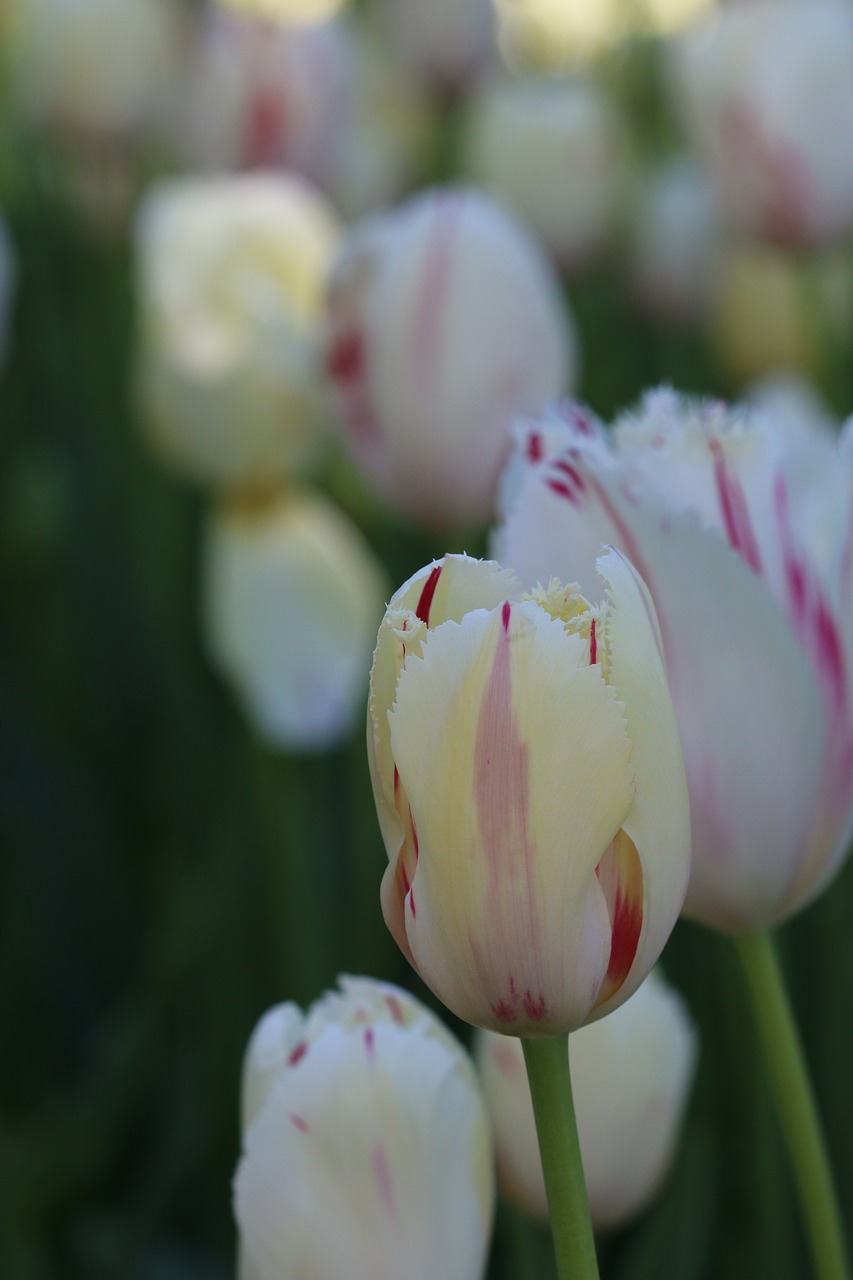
x=551, y=149
x=292, y=597
x=231, y=275
x=389, y=134
x=7, y=283
x=106, y=68
x=674, y=243
x=773, y=310
x=631, y=1075
x=260, y=93
x=766, y=95
x=287, y=10
x=742, y=526
x=446, y=43
x=445, y=321
x=366, y=1147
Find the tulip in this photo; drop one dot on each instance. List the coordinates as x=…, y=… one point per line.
x=552, y=151
x=776, y=311
x=366, y=1147
x=265, y=93
x=631, y=1074
x=675, y=244
x=444, y=322
x=231, y=275
x=766, y=96
x=530, y=791
x=103, y=68
x=292, y=595
x=742, y=531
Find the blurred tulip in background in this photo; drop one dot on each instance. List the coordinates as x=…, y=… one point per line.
x=366, y=1145
x=446, y=44
x=742, y=530
x=231, y=271
x=7, y=284
x=552, y=150
x=530, y=790
x=292, y=597
x=631, y=1075
x=765, y=91
x=444, y=322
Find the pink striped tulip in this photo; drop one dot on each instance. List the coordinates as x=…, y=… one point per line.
x=444, y=323
x=742, y=528
x=530, y=790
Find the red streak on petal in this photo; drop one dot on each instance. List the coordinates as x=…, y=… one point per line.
x=505, y=614
x=394, y=1007
x=734, y=509
x=568, y=469
x=562, y=490
x=297, y=1054
x=534, y=447
x=414, y=834
x=535, y=1007
x=593, y=644
x=299, y=1123
x=382, y=1173
x=504, y=1011
x=426, y=598
x=345, y=358
x=368, y=1041
x=404, y=877
x=437, y=260
x=627, y=926
x=412, y=903
x=264, y=133
x=396, y=780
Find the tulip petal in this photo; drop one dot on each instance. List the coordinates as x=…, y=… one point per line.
x=512, y=748
x=751, y=728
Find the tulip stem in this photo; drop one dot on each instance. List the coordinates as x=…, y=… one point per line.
x=547, y=1063
x=795, y=1103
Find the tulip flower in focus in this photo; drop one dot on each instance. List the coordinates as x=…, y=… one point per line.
x=292, y=595
x=741, y=527
x=551, y=149
x=366, y=1146
x=675, y=244
x=7, y=283
x=231, y=273
x=631, y=1074
x=530, y=791
x=445, y=321
x=446, y=43
x=765, y=91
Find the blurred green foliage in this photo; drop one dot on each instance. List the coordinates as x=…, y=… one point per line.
x=164, y=878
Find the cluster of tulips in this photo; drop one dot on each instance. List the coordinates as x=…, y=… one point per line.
x=640, y=705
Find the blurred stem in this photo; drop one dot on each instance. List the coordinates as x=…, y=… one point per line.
x=547, y=1063
x=795, y=1102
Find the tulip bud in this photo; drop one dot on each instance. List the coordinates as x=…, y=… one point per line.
x=366, y=1151
x=263, y=93
x=766, y=95
x=445, y=321
x=774, y=311
x=291, y=599
x=631, y=1074
x=675, y=244
x=741, y=526
x=552, y=151
x=231, y=275
x=529, y=785
x=104, y=68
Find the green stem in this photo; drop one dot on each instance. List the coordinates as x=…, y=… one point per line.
x=795, y=1102
x=547, y=1063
